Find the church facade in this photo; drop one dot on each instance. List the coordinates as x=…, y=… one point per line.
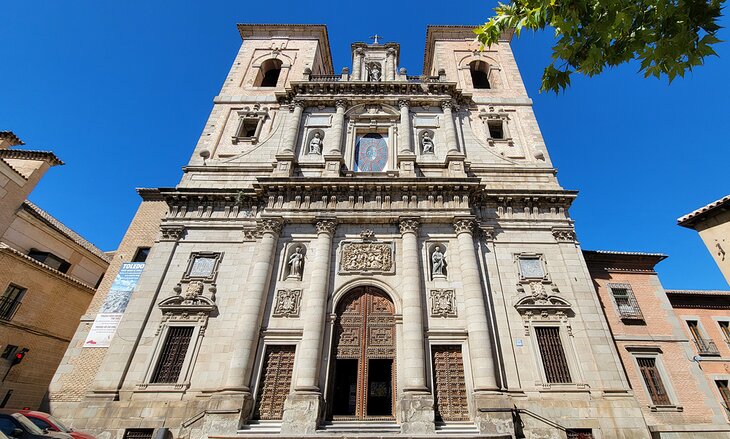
x=366, y=252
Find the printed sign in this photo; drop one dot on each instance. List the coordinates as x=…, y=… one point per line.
x=106, y=322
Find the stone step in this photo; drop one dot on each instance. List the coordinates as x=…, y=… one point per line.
x=261, y=427
x=468, y=428
x=363, y=427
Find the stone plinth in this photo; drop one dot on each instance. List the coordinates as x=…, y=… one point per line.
x=416, y=413
x=301, y=414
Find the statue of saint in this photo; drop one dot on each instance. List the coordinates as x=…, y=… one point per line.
x=427, y=144
x=375, y=73
x=438, y=262
x=315, y=146
x=295, y=263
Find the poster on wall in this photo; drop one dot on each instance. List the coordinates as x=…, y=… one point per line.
x=111, y=312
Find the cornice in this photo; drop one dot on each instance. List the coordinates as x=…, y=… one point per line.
x=11, y=138
x=20, y=154
x=4, y=248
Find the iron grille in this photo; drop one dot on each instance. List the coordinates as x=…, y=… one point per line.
x=626, y=304
x=579, y=433
x=653, y=381
x=705, y=346
x=275, y=382
x=173, y=355
x=552, y=354
x=10, y=301
x=138, y=433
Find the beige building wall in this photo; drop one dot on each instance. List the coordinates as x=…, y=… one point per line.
x=712, y=222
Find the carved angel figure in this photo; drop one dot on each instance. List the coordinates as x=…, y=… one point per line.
x=315, y=146
x=426, y=144
x=295, y=263
x=438, y=262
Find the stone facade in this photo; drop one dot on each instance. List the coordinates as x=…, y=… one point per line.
x=48, y=275
x=712, y=222
x=365, y=252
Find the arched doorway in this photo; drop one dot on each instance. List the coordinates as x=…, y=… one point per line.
x=364, y=356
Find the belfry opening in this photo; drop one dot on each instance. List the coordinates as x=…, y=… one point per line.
x=364, y=356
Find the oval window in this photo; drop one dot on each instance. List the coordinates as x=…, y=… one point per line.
x=371, y=153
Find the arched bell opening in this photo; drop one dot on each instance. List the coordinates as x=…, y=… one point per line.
x=363, y=356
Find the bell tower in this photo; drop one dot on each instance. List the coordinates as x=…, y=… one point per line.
x=375, y=62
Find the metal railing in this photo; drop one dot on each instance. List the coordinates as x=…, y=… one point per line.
x=705, y=346
x=325, y=78
x=339, y=78
x=8, y=307
x=630, y=312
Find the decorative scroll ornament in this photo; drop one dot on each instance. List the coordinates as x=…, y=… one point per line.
x=409, y=225
x=463, y=226
x=367, y=235
x=488, y=233
x=191, y=301
x=443, y=303
x=404, y=103
x=327, y=226
x=564, y=234
x=270, y=225
x=287, y=303
x=366, y=256
x=171, y=233
x=537, y=298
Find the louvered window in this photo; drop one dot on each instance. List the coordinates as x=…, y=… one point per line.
x=626, y=304
x=724, y=393
x=653, y=381
x=449, y=384
x=275, y=382
x=173, y=355
x=552, y=354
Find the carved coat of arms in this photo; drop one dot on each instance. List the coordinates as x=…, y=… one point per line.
x=366, y=256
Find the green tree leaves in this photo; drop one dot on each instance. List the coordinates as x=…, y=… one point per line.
x=668, y=37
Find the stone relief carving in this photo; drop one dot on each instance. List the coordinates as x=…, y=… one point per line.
x=564, y=235
x=367, y=235
x=443, y=303
x=287, y=303
x=438, y=263
x=171, y=233
x=367, y=256
x=202, y=266
x=193, y=300
x=296, y=262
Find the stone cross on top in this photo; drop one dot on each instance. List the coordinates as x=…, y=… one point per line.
x=375, y=38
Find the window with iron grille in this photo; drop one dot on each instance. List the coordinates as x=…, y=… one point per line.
x=173, y=353
x=653, y=381
x=625, y=300
x=579, y=433
x=138, y=433
x=705, y=346
x=10, y=301
x=724, y=393
x=552, y=354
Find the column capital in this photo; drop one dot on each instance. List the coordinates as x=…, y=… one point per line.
x=296, y=103
x=326, y=225
x=341, y=103
x=463, y=225
x=270, y=225
x=404, y=103
x=447, y=105
x=171, y=232
x=409, y=225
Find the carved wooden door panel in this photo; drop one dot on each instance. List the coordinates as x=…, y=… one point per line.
x=275, y=382
x=449, y=384
x=365, y=356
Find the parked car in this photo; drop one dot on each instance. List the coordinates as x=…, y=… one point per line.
x=44, y=421
x=16, y=426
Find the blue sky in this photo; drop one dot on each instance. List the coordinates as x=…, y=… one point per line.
x=121, y=91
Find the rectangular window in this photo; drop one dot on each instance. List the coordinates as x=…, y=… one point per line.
x=173, y=354
x=626, y=304
x=552, y=354
x=725, y=329
x=50, y=259
x=496, y=129
x=8, y=351
x=579, y=433
x=705, y=346
x=653, y=381
x=10, y=301
x=724, y=393
x=449, y=384
x=141, y=254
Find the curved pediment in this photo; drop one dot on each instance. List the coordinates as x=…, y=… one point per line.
x=192, y=300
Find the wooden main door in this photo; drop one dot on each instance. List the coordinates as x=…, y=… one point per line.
x=364, y=360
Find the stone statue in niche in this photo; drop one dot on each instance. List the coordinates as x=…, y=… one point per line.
x=296, y=260
x=426, y=144
x=374, y=72
x=438, y=263
x=315, y=145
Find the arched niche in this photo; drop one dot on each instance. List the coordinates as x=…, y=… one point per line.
x=436, y=271
x=290, y=261
x=310, y=148
x=423, y=148
x=480, y=72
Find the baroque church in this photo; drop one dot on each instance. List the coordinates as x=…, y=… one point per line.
x=357, y=253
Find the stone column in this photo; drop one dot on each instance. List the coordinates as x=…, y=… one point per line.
x=449, y=124
x=292, y=133
x=390, y=63
x=357, y=65
x=416, y=403
x=333, y=152
x=303, y=407
x=246, y=332
x=404, y=131
x=480, y=340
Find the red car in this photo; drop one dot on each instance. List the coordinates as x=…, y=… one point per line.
x=47, y=422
